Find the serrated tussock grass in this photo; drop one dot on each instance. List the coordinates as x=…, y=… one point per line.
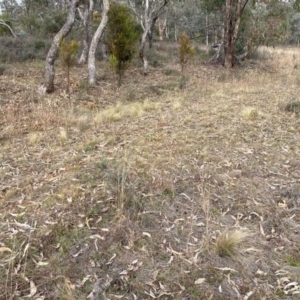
x=229, y=242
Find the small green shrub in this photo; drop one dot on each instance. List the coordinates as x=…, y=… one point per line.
x=67, y=54
x=23, y=48
x=121, y=38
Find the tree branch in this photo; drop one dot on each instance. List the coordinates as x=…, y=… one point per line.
x=2, y=22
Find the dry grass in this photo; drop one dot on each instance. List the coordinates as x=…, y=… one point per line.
x=150, y=191
x=227, y=243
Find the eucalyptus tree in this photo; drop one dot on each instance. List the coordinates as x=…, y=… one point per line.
x=95, y=40
x=186, y=16
x=86, y=17
x=48, y=86
x=247, y=24
x=6, y=27
x=148, y=12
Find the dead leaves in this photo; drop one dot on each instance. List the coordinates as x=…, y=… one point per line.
x=286, y=284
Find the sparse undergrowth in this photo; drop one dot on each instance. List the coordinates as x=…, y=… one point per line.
x=150, y=191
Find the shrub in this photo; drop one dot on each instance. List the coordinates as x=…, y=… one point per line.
x=121, y=38
x=23, y=48
x=67, y=54
x=186, y=50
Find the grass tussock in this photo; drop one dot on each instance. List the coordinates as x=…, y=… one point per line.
x=121, y=111
x=293, y=107
x=163, y=193
x=228, y=243
x=250, y=113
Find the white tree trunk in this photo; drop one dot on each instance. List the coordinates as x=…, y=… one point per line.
x=152, y=10
x=94, y=43
x=86, y=18
x=146, y=29
x=48, y=86
x=206, y=33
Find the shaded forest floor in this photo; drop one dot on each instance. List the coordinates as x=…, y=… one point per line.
x=152, y=191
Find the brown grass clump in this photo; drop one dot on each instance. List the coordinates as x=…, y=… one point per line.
x=152, y=191
x=250, y=113
x=227, y=243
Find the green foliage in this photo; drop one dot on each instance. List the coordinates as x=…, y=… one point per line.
x=113, y=62
x=30, y=23
x=295, y=29
x=263, y=25
x=296, y=5
x=121, y=38
x=23, y=48
x=67, y=54
x=4, y=30
x=212, y=5
x=53, y=22
x=186, y=50
x=276, y=22
x=41, y=24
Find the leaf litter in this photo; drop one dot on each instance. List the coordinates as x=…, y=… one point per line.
x=132, y=209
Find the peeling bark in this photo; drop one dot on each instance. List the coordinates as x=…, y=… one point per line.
x=94, y=43
x=48, y=86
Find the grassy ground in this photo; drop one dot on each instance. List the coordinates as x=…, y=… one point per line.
x=152, y=191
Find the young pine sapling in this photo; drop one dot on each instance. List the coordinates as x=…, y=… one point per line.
x=121, y=38
x=186, y=51
x=67, y=54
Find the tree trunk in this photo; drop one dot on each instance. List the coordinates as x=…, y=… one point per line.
x=86, y=18
x=206, y=31
x=68, y=83
x=48, y=86
x=233, y=14
x=141, y=53
x=162, y=26
x=161, y=30
x=146, y=27
x=94, y=43
x=119, y=79
x=175, y=27
x=151, y=29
